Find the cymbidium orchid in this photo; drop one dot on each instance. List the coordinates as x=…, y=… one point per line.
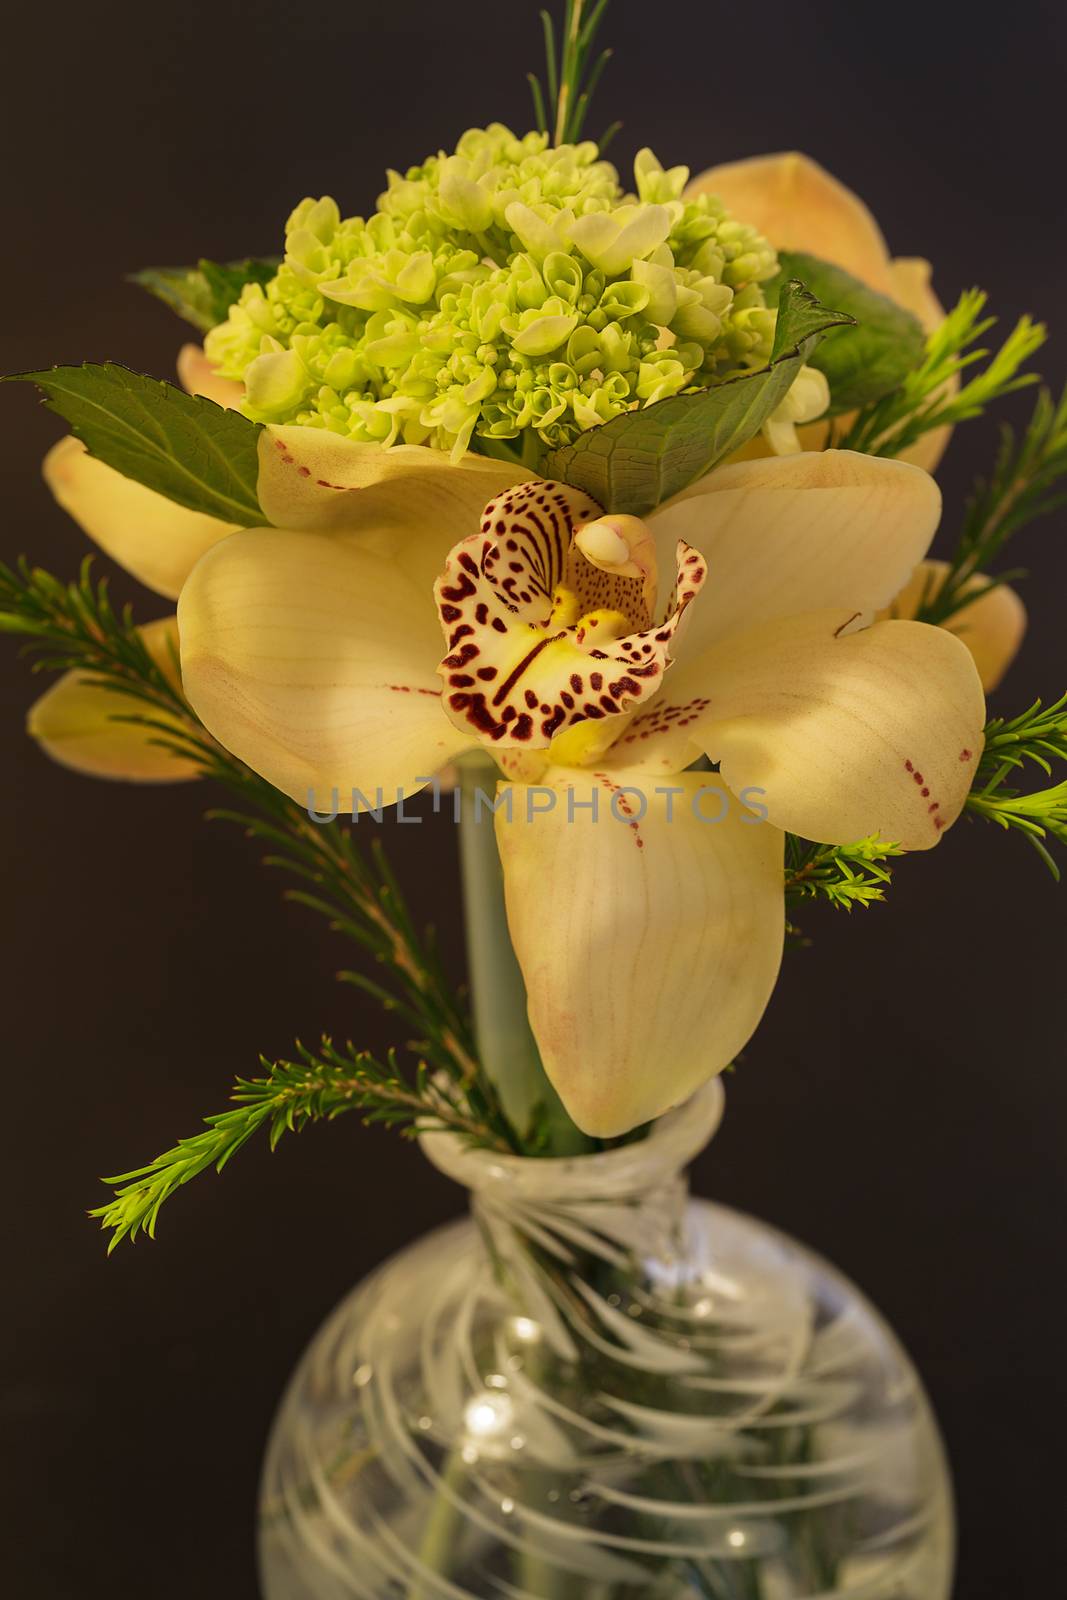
x=538, y=482
x=591, y=656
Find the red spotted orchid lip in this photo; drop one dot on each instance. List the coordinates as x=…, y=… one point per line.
x=540, y=636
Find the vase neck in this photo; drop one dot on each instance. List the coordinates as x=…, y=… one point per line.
x=620, y=1206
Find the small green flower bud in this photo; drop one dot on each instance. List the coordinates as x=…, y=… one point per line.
x=562, y=276
x=276, y=381
x=416, y=279
x=464, y=202
x=658, y=379
x=662, y=290
x=543, y=334
x=624, y=299
x=613, y=242
x=653, y=184
x=534, y=233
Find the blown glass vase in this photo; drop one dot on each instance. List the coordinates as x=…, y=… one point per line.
x=596, y=1389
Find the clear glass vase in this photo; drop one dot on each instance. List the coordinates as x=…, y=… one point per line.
x=599, y=1389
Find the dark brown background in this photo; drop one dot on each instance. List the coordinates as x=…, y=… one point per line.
x=903, y=1107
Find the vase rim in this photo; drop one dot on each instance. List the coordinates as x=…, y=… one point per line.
x=675, y=1138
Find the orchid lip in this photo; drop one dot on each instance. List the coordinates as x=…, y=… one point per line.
x=548, y=619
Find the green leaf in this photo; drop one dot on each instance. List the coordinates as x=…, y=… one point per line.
x=204, y=294
x=181, y=445
x=864, y=362
x=640, y=459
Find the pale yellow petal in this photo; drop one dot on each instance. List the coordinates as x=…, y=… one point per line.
x=156, y=540
x=314, y=661
x=650, y=941
x=198, y=375
x=798, y=205
x=77, y=724
x=846, y=733
x=991, y=625
x=311, y=478
x=787, y=534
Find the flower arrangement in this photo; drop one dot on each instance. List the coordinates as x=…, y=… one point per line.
x=604, y=511
x=595, y=509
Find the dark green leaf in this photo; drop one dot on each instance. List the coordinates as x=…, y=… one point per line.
x=864, y=362
x=181, y=445
x=204, y=294
x=640, y=459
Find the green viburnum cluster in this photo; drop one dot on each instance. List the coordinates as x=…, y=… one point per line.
x=510, y=286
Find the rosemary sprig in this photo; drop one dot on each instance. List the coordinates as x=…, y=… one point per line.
x=320, y=1085
x=1026, y=483
x=571, y=73
x=926, y=399
x=845, y=875
x=1038, y=735
x=75, y=627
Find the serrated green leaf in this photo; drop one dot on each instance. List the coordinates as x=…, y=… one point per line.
x=864, y=362
x=204, y=294
x=803, y=319
x=640, y=459
x=181, y=445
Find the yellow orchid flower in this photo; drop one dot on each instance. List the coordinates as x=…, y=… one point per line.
x=313, y=650
x=798, y=205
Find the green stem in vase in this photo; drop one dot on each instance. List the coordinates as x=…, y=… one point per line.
x=506, y=1045
x=443, y=1529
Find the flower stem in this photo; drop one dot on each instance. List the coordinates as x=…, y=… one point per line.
x=506, y=1045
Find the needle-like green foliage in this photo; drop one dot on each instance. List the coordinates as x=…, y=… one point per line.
x=75, y=627
x=1026, y=484
x=572, y=72
x=1037, y=736
x=845, y=875
x=928, y=397
x=320, y=1085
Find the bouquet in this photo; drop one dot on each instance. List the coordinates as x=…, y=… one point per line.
x=594, y=509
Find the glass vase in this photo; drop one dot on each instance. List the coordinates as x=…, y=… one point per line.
x=596, y=1389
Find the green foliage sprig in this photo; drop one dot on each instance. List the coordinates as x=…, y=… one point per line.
x=845, y=875
x=75, y=627
x=321, y=1085
x=572, y=73
x=1026, y=484
x=924, y=400
x=1039, y=736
